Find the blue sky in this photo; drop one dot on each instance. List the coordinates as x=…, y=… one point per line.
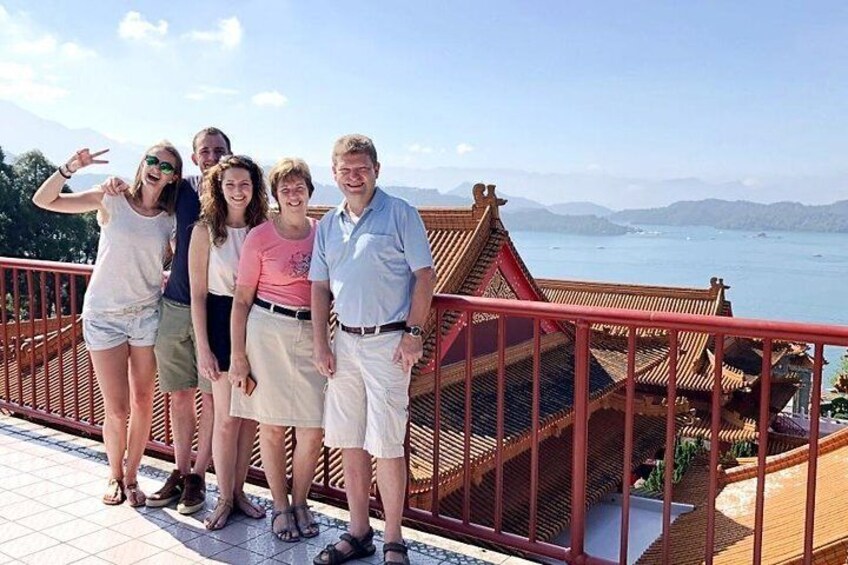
x=718, y=90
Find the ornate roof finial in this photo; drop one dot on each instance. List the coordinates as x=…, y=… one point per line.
x=484, y=197
x=716, y=283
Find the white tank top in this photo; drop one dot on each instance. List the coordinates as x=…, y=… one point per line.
x=130, y=252
x=223, y=263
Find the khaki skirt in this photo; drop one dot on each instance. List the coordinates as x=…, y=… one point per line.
x=289, y=389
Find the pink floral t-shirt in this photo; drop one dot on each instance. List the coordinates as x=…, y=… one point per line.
x=277, y=267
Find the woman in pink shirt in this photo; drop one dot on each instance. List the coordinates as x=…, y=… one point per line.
x=272, y=344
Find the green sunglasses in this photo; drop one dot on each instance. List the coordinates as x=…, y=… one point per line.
x=164, y=166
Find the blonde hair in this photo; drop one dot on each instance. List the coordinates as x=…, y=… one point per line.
x=354, y=143
x=168, y=197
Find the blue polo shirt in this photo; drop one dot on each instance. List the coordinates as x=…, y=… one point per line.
x=370, y=264
x=187, y=212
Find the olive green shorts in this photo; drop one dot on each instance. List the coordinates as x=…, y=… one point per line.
x=175, y=350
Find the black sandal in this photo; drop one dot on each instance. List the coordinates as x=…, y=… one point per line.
x=397, y=548
x=359, y=548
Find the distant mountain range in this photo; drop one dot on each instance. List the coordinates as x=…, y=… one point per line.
x=742, y=215
x=546, y=211
x=21, y=130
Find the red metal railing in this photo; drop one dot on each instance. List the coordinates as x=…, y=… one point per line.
x=475, y=433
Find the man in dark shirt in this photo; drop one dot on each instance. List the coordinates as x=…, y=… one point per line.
x=175, y=346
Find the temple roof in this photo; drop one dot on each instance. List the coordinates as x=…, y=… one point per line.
x=783, y=524
x=604, y=475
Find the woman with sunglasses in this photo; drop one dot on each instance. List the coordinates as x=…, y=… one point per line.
x=233, y=202
x=272, y=343
x=121, y=306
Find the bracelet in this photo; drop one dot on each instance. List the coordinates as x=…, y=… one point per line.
x=61, y=172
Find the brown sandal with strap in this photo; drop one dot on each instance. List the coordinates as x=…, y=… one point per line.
x=114, y=494
x=359, y=548
x=289, y=533
x=134, y=495
x=396, y=548
x=219, y=517
x=306, y=524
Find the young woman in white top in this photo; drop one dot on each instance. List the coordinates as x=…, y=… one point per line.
x=121, y=305
x=232, y=202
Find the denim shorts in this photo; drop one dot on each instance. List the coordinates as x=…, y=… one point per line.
x=136, y=326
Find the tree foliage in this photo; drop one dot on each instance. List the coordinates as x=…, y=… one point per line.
x=27, y=231
x=685, y=452
x=840, y=379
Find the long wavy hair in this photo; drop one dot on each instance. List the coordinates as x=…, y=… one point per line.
x=213, y=205
x=168, y=197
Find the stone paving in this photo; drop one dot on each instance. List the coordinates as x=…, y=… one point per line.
x=51, y=513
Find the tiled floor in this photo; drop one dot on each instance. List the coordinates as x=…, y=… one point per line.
x=50, y=513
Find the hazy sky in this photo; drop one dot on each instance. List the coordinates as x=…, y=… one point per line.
x=719, y=90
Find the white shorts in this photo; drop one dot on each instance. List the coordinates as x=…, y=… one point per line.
x=367, y=401
x=136, y=326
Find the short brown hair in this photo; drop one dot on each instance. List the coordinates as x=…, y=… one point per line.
x=354, y=143
x=288, y=168
x=210, y=131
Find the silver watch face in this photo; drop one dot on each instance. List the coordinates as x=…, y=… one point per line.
x=414, y=331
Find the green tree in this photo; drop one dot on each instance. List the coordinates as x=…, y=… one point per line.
x=29, y=232
x=840, y=379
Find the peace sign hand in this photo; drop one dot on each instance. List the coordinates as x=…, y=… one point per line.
x=84, y=158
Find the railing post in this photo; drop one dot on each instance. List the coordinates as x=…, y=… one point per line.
x=580, y=441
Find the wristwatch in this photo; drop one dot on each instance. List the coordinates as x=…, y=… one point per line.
x=414, y=331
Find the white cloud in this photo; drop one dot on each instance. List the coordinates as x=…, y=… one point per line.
x=44, y=45
x=202, y=92
x=228, y=33
x=76, y=52
x=33, y=60
x=19, y=81
x=418, y=148
x=464, y=148
x=135, y=27
x=269, y=98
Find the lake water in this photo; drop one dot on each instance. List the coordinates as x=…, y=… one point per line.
x=777, y=275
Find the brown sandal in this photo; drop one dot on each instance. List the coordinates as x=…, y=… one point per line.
x=219, y=517
x=243, y=503
x=395, y=547
x=114, y=494
x=135, y=497
x=288, y=533
x=359, y=547
x=306, y=524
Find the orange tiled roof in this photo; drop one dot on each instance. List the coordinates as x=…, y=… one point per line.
x=556, y=396
x=783, y=524
x=604, y=469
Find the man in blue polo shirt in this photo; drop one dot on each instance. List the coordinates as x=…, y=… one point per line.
x=372, y=260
